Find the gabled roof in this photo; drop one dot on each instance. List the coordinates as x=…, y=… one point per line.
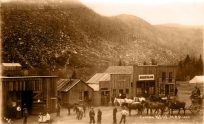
x=99, y=77
x=64, y=85
x=93, y=82
x=95, y=87
x=119, y=70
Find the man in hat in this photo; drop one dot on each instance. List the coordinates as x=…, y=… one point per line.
x=99, y=116
x=25, y=114
x=91, y=115
x=114, y=115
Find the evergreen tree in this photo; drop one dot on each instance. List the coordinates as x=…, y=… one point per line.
x=187, y=60
x=144, y=63
x=74, y=76
x=120, y=63
x=200, y=65
x=153, y=61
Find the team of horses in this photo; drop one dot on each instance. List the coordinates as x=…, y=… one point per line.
x=152, y=105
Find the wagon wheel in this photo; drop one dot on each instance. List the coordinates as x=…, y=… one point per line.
x=194, y=109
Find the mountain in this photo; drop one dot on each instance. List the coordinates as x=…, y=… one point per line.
x=62, y=37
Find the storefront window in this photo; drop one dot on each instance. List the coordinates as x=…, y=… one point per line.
x=163, y=76
x=139, y=91
x=161, y=88
x=171, y=88
x=127, y=91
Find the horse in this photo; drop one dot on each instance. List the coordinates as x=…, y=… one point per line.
x=79, y=112
x=118, y=101
x=136, y=106
x=126, y=100
x=176, y=105
x=157, y=106
x=139, y=99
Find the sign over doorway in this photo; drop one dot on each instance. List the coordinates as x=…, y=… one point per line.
x=146, y=77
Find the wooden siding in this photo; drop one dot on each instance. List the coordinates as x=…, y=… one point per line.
x=104, y=84
x=157, y=72
x=43, y=88
x=120, y=82
x=97, y=98
x=77, y=93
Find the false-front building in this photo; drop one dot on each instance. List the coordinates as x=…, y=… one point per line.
x=137, y=80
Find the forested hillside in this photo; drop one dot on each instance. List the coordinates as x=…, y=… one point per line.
x=63, y=37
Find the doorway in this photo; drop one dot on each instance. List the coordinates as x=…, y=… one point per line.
x=105, y=97
x=167, y=89
x=27, y=99
x=86, y=96
x=146, y=88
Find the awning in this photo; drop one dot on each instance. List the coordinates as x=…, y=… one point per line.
x=197, y=79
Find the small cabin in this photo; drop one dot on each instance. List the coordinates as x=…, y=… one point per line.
x=73, y=91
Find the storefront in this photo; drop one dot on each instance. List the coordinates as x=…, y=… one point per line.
x=154, y=79
x=38, y=93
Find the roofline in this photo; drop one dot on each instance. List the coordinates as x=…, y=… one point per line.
x=20, y=77
x=91, y=87
x=76, y=84
x=121, y=74
x=156, y=65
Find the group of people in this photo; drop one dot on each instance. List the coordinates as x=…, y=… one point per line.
x=124, y=113
x=92, y=116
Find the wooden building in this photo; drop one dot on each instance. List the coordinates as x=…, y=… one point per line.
x=100, y=80
x=154, y=79
x=74, y=91
x=38, y=93
x=131, y=81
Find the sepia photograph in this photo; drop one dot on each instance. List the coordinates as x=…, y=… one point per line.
x=102, y=61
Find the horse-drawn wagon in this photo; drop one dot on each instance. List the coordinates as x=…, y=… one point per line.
x=196, y=105
x=196, y=97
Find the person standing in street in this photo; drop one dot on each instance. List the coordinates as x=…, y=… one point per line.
x=68, y=108
x=58, y=109
x=99, y=116
x=91, y=115
x=123, y=115
x=25, y=114
x=115, y=115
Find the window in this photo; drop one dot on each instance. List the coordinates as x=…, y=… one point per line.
x=163, y=76
x=121, y=91
x=127, y=91
x=171, y=88
x=161, y=88
x=170, y=76
x=131, y=84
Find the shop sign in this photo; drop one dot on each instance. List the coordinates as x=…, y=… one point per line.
x=146, y=77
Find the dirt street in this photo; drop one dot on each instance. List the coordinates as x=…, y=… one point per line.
x=107, y=118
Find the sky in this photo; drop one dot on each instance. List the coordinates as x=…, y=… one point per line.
x=187, y=12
